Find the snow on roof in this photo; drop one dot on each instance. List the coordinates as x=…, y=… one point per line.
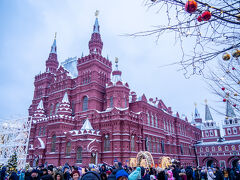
x=70, y=65
x=65, y=98
x=40, y=105
x=218, y=143
x=87, y=125
x=41, y=143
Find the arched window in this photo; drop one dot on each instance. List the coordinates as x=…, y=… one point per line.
x=207, y=149
x=85, y=103
x=111, y=102
x=106, y=143
x=79, y=155
x=132, y=143
x=53, y=147
x=68, y=149
x=51, y=109
x=233, y=148
x=57, y=105
x=125, y=102
x=40, y=131
x=213, y=149
x=226, y=148
x=219, y=148
x=234, y=130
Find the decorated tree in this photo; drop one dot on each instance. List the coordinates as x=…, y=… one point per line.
x=213, y=26
x=12, y=162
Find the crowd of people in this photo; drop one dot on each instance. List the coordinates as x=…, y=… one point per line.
x=119, y=172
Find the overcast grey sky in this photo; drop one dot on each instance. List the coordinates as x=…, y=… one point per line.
x=27, y=32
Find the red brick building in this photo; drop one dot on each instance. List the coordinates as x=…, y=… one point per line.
x=216, y=149
x=83, y=112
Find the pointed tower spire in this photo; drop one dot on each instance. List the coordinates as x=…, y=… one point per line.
x=95, y=44
x=116, y=74
x=39, y=113
x=229, y=110
x=64, y=107
x=208, y=116
x=52, y=61
x=196, y=114
x=40, y=105
x=54, y=45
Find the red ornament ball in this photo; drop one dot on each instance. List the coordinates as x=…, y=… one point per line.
x=234, y=105
x=191, y=6
x=233, y=68
x=223, y=88
x=199, y=18
x=206, y=15
x=224, y=100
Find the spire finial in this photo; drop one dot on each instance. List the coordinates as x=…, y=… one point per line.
x=97, y=13
x=116, y=61
x=195, y=104
x=55, y=36
x=205, y=101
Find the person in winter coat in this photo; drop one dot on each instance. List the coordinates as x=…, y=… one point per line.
x=13, y=176
x=3, y=173
x=203, y=174
x=170, y=175
x=113, y=175
x=91, y=175
x=161, y=174
x=122, y=175
x=189, y=173
x=197, y=174
x=183, y=175
x=232, y=174
x=219, y=174
x=135, y=175
x=58, y=176
x=210, y=174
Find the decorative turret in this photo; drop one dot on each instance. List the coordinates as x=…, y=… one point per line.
x=39, y=113
x=87, y=127
x=64, y=107
x=197, y=117
x=95, y=44
x=117, y=90
x=52, y=62
x=231, y=125
x=210, y=130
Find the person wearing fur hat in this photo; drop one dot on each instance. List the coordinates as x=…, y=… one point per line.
x=135, y=175
x=122, y=175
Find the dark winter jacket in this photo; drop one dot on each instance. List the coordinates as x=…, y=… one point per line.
x=113, y=175
x=13, y=176
x=161, y=176
x=91, y=175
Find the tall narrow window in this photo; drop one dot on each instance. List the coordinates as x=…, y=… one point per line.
x=181, y=148
x=163, y=148
x=53, y=147
x=85, y=103
x=148, y=117
x=158, y=147
x=152, y=120
x=125, y=102
x=68, y=149
x=156, y=121
x=106, y=143
x=57, y=105
x=73, y=108
x=146, y=144
x=40, y=131
x=44, y=131
x=111, y=102
x=150, y=145
x=132, y=143
x=51, y=109
x=79, y=155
